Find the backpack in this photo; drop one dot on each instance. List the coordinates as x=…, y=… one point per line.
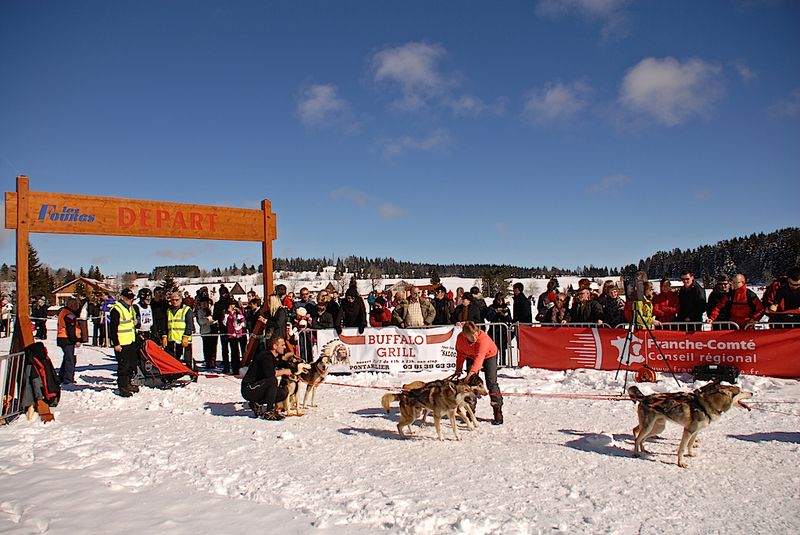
x=43, y=378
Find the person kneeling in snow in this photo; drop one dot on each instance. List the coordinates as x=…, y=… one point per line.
x=260, y=383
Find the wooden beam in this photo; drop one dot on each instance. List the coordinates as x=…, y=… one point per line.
x=23, y=335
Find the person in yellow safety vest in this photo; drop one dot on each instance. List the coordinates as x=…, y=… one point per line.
x=122, y=335
x=180, y=326
x=68, y=338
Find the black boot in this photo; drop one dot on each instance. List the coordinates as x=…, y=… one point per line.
x=498, y=414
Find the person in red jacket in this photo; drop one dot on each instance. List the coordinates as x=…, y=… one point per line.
x=665, y=304
x=744, y=306
x=380, y=315
x=480, y=352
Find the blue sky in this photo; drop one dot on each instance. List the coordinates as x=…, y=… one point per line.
x=551, y=132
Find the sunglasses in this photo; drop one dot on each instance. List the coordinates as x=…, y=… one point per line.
x=686, y=279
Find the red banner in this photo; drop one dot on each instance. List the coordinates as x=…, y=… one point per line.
x=772, y=353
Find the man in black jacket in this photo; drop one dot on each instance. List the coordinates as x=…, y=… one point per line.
x=691, y=300
x=584, y=309
x=522, y=305
x=352, y=312
x=444, y=307
x=260, y=383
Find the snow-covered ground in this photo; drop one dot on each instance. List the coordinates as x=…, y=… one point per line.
x=192, y=460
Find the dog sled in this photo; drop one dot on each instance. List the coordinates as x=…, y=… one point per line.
x=158, y=369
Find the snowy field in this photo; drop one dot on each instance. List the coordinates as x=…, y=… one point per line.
x=192, y=460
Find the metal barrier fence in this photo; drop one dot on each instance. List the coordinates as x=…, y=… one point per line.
x=690, y=326
x=761, y=326
x=12, y=384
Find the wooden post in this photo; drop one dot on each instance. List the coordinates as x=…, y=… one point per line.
x=266, y=251
x=23, y=336
x=269, y=235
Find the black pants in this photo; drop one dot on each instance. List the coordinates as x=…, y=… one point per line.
x=226, y=360
x=126, y=366
x=265, y=392
x=235, y=347
x=490, y=376
x=210, y=350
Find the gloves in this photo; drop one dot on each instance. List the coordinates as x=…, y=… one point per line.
x=185, y=341
x=163, y=341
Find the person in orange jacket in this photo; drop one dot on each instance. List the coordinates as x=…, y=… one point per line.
x=68, y=338
x=475, y=347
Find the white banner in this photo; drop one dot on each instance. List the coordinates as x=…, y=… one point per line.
x=392, y=349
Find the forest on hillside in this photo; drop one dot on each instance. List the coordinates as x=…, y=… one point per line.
x=761, y=257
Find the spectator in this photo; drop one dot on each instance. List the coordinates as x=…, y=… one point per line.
x=205, y=320
x=276, y=317
x=414, y=312
x=459, y=295
x=782, y=299
x=499, y=316
x=557, y=313
x=188, y=300
x=260, y=383
x=443, y=306
x=305, y=301
x=93, y=310
x=721, y=289
x=644, y=308
x=105, y=310
x=665, y=304
x=218, y=311
x=251, y=313
x=522, y=305
x=322, y=318
x=478, y=301
x=466, y=311
x=5, y=316
x=352, y=312
x=331, y=305
x=40, y=313
x=68, y=339
x=584, y=309
x=613, y=305
x=122, y=336
x=288, y=301
x=740, y=306
x=691, y=299
x=380, y=316
x=547, y=299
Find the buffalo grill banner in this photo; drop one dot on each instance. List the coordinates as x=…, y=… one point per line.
x=392, y=349
x=771, y=353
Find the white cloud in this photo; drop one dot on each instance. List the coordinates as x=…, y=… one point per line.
x=384, y=209
x=744, y=71
x=609, y=183
x=556, y=102
x=611, y=13
x=439, y=138
x=390, y=211
x=790, y=106
x=670, y=92
x=359, y=198
x=321, y=106
x=414, y=68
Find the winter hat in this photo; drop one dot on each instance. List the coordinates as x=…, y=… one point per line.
x=722, y=278
x=303, y=323
x=351, y=292
x=301, y=312
x=380, y=301
x=127, y=293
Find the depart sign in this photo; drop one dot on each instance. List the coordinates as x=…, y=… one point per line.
x=63, y=213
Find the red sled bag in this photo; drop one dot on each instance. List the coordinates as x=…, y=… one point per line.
x=43, y=378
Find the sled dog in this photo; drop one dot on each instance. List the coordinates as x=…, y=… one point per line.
x=438, y=397
x=694, y=411
x=319, y=369
x=464, y=410
x=292, y=384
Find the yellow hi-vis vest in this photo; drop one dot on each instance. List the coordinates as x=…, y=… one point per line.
x=127, y=323
x=176, y=323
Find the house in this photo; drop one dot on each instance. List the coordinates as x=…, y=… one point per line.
x=70, y=289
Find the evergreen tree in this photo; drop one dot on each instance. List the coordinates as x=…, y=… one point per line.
x=40, y=281
x=168, y=283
